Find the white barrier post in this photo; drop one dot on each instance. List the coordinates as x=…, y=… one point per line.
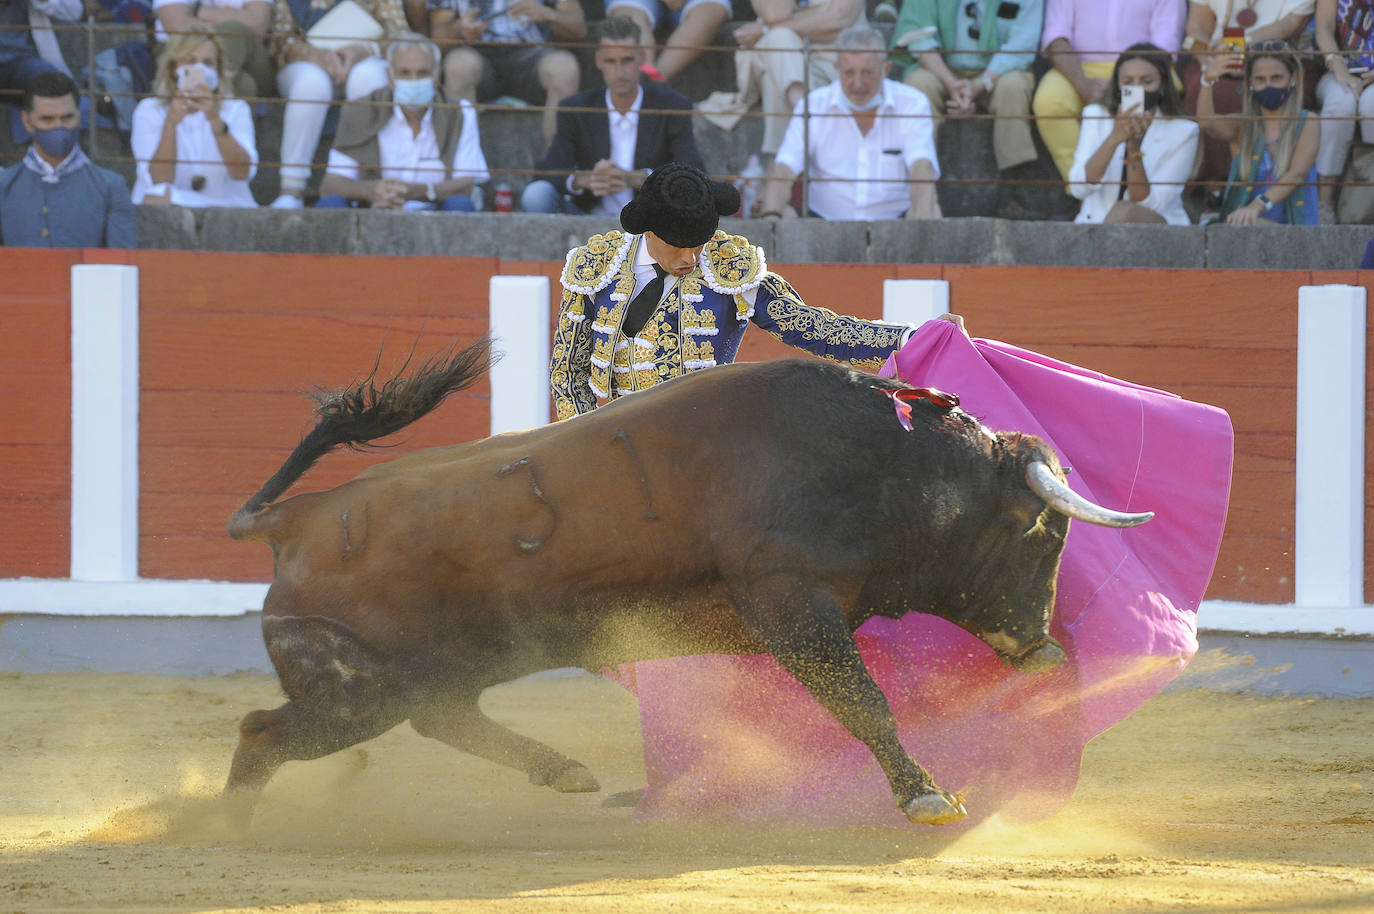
x=520, y=327
x=104, y=539
x=1329, y=554
x=914, y=301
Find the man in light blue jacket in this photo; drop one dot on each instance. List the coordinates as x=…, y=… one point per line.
x=56, y=197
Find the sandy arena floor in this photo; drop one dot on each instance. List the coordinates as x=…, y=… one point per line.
x=1200, y=802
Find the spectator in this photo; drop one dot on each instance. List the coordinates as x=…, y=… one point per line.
x=241, y=27
x=600, y=158
x=695, y=26
x=1344, y=92
x=28, y=45
x=503, y=50
x=1207, y=20
x=871, y=151
x=194, y=144
x=1082, y=39
x=1131, y=165
x=399, y=150
x=1273, y=141
x=771, y=68
x=977, y=55
x=312, y=75
x=55, y=197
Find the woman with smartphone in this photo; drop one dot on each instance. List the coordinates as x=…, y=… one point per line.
x=194, y=144
x=1224, y=28
x=1136, y=151
x=1345, y=92
x=1273, y=141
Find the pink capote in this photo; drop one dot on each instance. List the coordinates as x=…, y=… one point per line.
x=738, y=738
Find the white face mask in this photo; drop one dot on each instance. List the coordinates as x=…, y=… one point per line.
x=869, y=105
x=189, y=74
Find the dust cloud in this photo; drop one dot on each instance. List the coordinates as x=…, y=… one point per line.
x=108, y=801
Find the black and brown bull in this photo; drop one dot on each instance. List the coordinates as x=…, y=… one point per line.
x=764, y=508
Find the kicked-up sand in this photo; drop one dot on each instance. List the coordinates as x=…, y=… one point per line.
x=1201, y=801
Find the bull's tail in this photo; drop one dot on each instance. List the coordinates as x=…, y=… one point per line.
x=363, y=412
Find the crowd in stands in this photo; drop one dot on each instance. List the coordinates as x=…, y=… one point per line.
x=1165, y=111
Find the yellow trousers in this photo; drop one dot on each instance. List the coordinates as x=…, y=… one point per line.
x=1057, y=107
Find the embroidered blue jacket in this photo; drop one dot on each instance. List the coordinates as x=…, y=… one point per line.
x=699, y=324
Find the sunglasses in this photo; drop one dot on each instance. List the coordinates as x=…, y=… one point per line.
x=971, y=11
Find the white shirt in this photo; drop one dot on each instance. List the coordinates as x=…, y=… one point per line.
x=624, y=136
x=644, y=271
x=1169, y=148
x=1267, y=12
x=854, y=176
x=405, y=156
x=197, y=154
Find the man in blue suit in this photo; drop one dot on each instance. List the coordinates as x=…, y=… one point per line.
x=599, y=159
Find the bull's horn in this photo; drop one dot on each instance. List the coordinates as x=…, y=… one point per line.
x=1066, y=501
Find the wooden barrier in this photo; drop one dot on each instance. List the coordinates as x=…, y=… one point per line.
x=230, y=342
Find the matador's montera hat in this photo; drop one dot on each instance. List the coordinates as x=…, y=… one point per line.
x=680, y=204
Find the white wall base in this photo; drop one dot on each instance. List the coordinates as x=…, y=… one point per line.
x=1282, y=618
x=46, y=596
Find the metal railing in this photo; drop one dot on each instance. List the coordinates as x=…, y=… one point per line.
x=91, y=31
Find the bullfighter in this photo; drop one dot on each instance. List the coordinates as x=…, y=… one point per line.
x=672, y=293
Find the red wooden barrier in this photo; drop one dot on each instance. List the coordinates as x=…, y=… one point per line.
x=230, y=341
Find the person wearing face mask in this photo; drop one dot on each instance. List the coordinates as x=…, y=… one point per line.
x=1131, y=165
x=867, y=144
x=55, y=197
x=1273, y=141
x=406, y=146
x=194, y=145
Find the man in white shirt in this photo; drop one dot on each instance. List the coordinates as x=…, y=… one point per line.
x=865, y=141
x=398, y=149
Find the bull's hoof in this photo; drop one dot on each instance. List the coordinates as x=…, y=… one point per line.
x=624, y=799
x=940, y=807
x=574, y=779
x=1046, y=655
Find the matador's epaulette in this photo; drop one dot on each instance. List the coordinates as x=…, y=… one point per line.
x=591, y=267
x=732, y=264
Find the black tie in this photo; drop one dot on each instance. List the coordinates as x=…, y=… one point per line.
x=644, y=303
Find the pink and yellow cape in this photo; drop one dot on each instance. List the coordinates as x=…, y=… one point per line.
x=739, y=739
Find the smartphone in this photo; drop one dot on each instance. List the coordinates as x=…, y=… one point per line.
x=189, y=77
x=1234, y=38
x=1133, y=99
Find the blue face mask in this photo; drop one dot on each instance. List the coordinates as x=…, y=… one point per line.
x=1271, y=98
x=57, y=142
x=414, y=93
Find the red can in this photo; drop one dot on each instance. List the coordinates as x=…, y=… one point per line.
x=502, y=198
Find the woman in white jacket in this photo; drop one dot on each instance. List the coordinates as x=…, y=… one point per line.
x=195, y=145
x=1131, y=165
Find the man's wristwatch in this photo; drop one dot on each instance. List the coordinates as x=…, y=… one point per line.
x=1265, y=202
x=430, y=195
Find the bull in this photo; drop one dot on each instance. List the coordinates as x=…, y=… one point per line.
x=755, y=508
